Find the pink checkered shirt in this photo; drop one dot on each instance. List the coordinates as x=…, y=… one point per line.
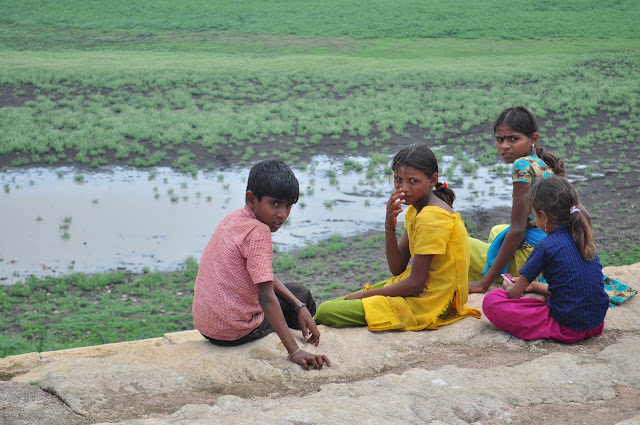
x=236, y=259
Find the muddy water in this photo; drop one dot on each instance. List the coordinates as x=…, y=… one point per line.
x=54, y=221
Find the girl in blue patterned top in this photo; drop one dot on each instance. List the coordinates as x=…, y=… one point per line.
x=574, y=304
x=516, y=133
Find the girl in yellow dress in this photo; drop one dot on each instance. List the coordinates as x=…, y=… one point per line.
x=433, y=290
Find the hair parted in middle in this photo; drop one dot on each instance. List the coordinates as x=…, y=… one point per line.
x=422, y=158
x=559, y=200
x=274, y=178
x=519, y=118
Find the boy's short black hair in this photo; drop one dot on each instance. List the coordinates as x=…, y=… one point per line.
x=274, y=178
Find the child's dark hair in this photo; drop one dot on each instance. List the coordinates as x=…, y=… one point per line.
x=559, y=200
x=274, y=178
x=520, y=119
x=421, y=157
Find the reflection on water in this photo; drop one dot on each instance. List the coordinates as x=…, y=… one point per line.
x=57, y=220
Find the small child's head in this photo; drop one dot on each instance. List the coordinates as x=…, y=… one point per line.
x=421, y=158
x=272, y=189
x=555, y=201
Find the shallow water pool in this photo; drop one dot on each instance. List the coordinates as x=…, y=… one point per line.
x=57, y=220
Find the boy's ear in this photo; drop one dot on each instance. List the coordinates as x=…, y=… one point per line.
x=250, y=199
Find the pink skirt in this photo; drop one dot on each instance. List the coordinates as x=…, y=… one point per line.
x=529, y=318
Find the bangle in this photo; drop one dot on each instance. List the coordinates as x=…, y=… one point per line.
x=389, y=231
x=291, y=354
x=300, y=306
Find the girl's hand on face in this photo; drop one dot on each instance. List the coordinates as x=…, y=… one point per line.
x=394, y=208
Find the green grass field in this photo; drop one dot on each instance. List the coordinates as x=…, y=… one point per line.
x=150, y=108
x=160, y=82
x=494, y=19
x=144, y=82
x=78, y=310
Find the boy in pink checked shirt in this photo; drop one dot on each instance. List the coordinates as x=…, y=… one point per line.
x=237, y=298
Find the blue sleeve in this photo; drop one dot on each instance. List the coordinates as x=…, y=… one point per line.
x=535, y=263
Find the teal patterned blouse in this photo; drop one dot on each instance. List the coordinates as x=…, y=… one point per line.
x=530, y=169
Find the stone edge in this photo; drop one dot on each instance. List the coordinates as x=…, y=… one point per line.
x=19, y=364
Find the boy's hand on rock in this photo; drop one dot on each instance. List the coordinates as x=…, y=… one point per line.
x=310, y=331
x=307, y=360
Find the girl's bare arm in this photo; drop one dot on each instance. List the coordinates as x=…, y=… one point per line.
x=513, y=239
x=398, y=254
x=517, y=289
x=539, y=288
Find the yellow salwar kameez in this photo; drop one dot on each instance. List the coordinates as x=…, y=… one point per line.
x=434, y=231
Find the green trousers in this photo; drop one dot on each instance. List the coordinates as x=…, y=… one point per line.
x=341, y=313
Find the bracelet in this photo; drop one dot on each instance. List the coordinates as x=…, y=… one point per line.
x=289, y=355
x=389, y=231
x=300, y=306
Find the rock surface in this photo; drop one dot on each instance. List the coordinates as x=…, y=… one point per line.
x=469, y=372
